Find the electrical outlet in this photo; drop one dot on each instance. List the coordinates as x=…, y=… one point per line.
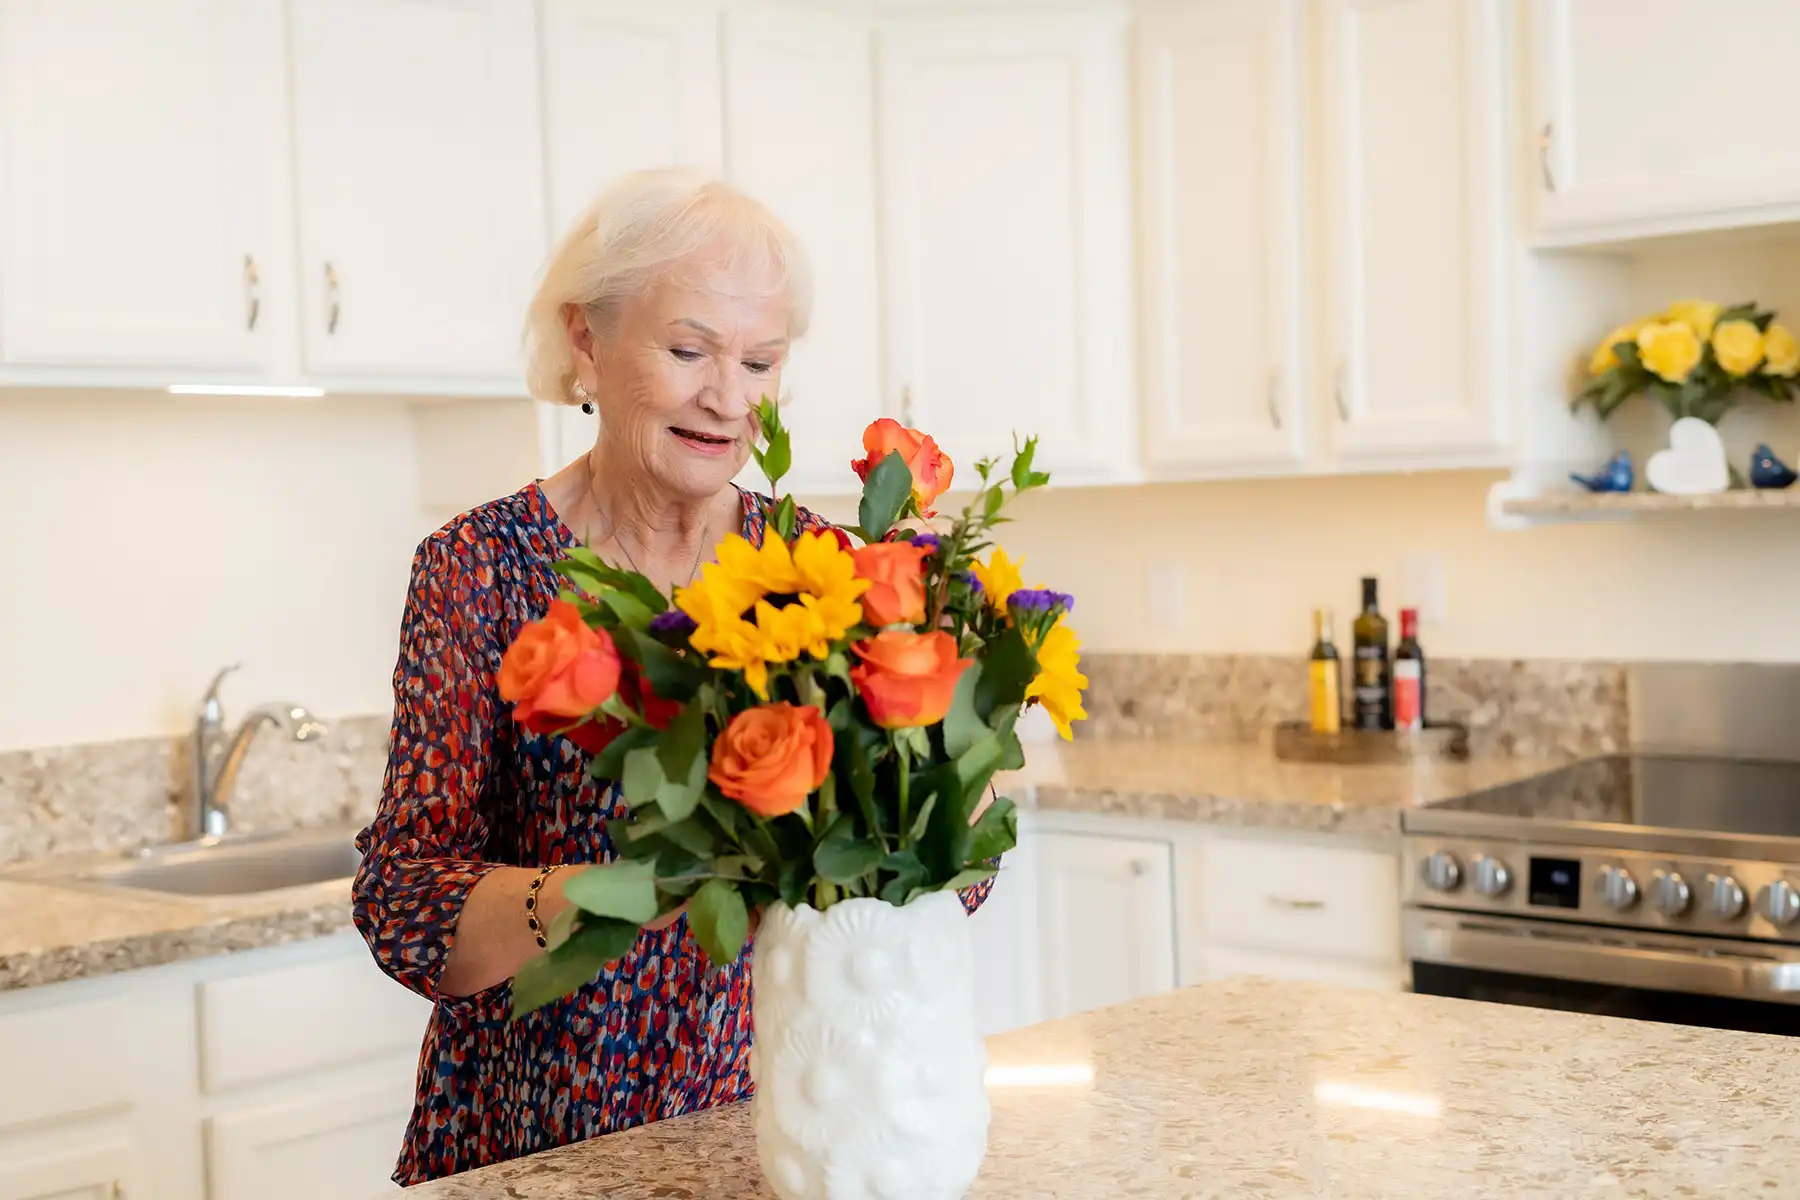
x=1165, y=594
x=1422, y=587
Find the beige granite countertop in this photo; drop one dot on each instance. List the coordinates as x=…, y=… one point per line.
x=1255, y=1088
x=1246, y=785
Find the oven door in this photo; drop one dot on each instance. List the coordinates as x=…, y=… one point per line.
x=1647, y=976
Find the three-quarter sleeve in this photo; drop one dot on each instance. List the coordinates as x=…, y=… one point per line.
x=423, y=851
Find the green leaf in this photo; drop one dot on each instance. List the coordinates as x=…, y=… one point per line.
x=719, y=920
x=643, y=776
x=919, y=822
x=684, y=739
x=963, y=726
x=792, y=882
x=992, y=502
x=610, y=762
x=554, y=974
x=777, y=458
x=843, y=859
x=1008, y=671
x=885, y=493
x=908, y=871
x=996, y=832
x=969, y=878
x=1021, y=465
x=631, y=611
x=593, y=572
x=562, y=926
x=979, y=762
x=622, y=889
x=786, y=514
x=856, y=769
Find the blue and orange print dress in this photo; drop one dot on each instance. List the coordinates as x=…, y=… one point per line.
x=659, y=1033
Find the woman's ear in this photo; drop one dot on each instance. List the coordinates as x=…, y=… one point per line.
x=582, y=347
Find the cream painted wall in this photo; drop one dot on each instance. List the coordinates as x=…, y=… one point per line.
x=145, y=540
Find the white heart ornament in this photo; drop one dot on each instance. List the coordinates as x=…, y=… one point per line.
x=1694, y=463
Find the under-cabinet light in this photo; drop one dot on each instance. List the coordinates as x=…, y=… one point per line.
x=242, y=389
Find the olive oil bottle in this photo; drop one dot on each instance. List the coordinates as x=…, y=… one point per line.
x=1323, y=672
x=1372, y=683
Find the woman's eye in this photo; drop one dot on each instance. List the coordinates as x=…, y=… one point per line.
x=683, y=354
x=759, y=368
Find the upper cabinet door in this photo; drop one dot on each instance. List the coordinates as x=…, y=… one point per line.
x=1219, y=208
x=1653, y=116
x=420, y=183
x=140, y=146
x=800, y=136
x=627, y=85
x=1005, y=185
x=1414, y=203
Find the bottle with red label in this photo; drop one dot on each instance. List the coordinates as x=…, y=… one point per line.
x=1409, y=674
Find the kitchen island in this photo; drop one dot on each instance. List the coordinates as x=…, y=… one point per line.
x=1253, y=1087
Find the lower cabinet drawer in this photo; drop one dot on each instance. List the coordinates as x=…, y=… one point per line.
x=1283, y=896
x=302, y=1017
x=65, y=1059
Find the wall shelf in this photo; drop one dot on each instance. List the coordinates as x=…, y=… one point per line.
x=1518, y=510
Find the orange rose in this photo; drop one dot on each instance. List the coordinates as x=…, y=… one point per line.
x=907, y=679
x=558, y=670
x=772, y=757
x=897, y=572
x=931, y=468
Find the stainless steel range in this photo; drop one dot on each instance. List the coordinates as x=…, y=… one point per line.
x=1663, y=886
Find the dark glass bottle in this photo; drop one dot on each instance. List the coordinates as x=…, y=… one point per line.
x=1409, y=674
x=1322, y=671
x=1373, y=703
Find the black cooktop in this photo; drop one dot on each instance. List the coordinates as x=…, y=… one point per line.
x=1741, y=797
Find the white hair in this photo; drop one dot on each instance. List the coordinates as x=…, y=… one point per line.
x=635, y=233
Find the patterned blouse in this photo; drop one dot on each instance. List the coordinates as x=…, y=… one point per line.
x=659, y=1033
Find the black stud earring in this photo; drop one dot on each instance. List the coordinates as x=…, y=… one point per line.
x=587, y=406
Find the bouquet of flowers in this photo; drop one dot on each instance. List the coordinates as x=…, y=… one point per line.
x=1693, y=357
x=811, y=721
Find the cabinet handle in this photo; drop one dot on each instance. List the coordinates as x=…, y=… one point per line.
x=906, y=406
x=252, y=293
x=1275, y=399
x=116, y=1191
x=1295, y=904
x=1545, y=140
x=1138, y=866
x=1338, y=390
x=333, y=306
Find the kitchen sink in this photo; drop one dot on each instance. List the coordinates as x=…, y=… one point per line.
x=233, y=866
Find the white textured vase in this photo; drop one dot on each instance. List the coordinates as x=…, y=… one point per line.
x=868, y=1067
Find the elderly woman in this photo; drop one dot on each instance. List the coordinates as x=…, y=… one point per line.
x=671, y=307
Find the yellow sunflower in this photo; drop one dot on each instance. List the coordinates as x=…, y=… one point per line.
x=1059, y=679
x=755, y=608
x=1000, y=578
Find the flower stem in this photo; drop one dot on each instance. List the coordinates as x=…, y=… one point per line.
x=905, y=758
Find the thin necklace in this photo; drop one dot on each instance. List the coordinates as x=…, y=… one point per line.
x=612, y=532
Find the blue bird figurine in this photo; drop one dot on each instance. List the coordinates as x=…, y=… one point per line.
x=1767, y=471
x=1615, y=476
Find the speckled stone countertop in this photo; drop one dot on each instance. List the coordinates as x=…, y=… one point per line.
x=52, y=929
x=1246, y=785
x=1256, y=1088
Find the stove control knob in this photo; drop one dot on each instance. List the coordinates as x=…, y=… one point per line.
x=1724, y=897
x=1489, y=875
x=1441, y=872
x=1618, y=888
x=1669, y=893
x=1779, y=902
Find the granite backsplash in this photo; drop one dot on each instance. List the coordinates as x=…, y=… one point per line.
x=118, y=795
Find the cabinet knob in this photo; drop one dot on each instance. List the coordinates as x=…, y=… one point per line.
x=1296, y=903
x=333, y=305
x=1138, y=866
x=252, y=292
x=1546, y=140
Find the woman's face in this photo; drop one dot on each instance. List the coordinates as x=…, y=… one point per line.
x=677, y=374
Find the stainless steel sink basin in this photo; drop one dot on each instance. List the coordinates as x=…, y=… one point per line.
x=232, y=867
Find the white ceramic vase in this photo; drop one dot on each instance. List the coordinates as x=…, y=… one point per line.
x=868, y=1067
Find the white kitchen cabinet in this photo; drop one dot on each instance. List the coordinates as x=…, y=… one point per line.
x=52, y=1169
x=141, y=154
x=1004, y=932
x=1414, y=200
x=627, y=85
x=800, y=136
x=1106, y=919
x=1006, y=222
x=337, y=1142
x=1614, y=152
x=420, y=181
x=1219, y=210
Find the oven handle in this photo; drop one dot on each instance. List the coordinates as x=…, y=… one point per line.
x=1529, y=948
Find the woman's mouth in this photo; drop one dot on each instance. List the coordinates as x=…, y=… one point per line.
x=703, y=443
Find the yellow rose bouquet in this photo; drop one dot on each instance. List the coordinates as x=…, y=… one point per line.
x=1696, y=357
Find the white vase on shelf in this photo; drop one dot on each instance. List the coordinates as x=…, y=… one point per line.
x=868, y=1066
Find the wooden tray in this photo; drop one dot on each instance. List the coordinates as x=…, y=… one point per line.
x=1296, y=742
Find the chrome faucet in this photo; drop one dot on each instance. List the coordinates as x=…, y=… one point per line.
x=218, y=758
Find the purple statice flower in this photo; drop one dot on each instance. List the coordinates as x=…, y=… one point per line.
x=970, y=580
x=1039, y=602
x=672, y=625
x=928, y=540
